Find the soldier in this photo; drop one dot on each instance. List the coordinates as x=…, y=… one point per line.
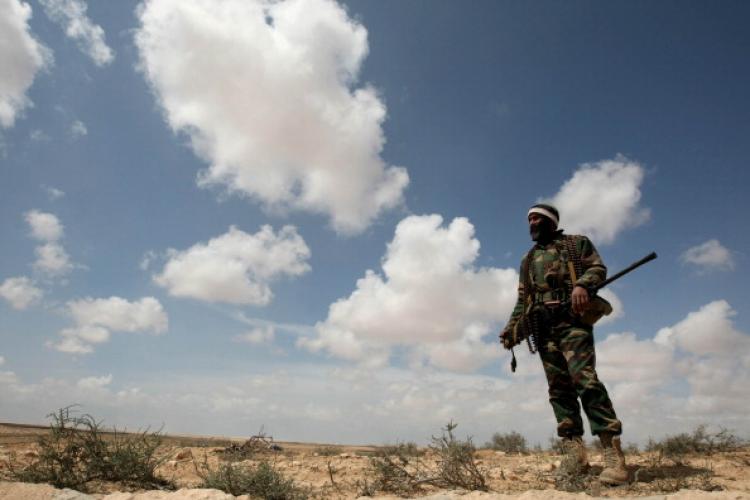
x=557, y=270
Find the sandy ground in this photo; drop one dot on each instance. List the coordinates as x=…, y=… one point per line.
x=339, y=472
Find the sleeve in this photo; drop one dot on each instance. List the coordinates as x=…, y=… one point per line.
x=594, y=270
x=519, y=307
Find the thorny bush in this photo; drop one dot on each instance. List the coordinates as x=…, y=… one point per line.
x=509, y=442
x=258, y=481
x=402, y=470
x=76, y=452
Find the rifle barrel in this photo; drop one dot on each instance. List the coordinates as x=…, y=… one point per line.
x=647, y=258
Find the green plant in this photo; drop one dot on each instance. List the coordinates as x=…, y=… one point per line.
x=262, y=481
x=509, y=442
x=76, y=451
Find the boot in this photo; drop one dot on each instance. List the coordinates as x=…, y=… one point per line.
x=614, y=472
x=575, y=455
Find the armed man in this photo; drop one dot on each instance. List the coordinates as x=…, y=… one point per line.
x=555, y=314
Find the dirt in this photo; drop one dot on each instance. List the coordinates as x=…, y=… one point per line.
x=337, y=472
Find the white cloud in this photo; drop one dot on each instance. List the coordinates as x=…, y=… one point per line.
x=21, y=57
x=656, y=390
x=95, y=319
x=71, y=16
x=119, y=314
x=264, y=335
x=52, y=259
x=20, y=292
x=618, y=309
x=710, y=330
x=266, y=92
x=44, y=226
x=94, y=383
x=705, y=351
x=624, y=358
x=602, y=199
x=78, y=129
x=235, y=267
x=709, y=255
x=431, y=297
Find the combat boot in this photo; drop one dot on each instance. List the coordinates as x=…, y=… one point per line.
x=614, y=472
x=575, y=455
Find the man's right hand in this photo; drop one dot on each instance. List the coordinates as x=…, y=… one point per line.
x=506, y=337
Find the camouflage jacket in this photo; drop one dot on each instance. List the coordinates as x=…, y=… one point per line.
x=549, y=276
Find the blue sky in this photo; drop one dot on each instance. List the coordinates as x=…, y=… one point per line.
x=308, y=215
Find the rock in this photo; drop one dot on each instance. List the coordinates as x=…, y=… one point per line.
x=183, y=494
x=67, y=494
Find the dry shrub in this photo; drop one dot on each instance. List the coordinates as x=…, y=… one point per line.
x=259, y=481
x=509, y=442
x=456, y=464
x=327, y=451
x=76, y=452
x=700, y=441
x=403, y=470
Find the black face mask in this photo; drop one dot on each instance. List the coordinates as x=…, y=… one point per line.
x=542, y=231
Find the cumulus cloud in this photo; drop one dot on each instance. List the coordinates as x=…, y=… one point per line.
x=266, y=91
x=21, y=57
x=657, y=389
x=704, y=350
x=95, y=319
x=44, y=226
x=20, y=292
x=51, y=258
x=602, y=199
x=71, y=16
x=708, y=256
x=235, y=267
x=709, y=330
x=431, y=297
x=627, y=359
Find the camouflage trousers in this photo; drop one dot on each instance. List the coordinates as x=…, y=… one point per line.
x=569, y=363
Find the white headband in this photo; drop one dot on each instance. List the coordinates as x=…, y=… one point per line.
x=545, y=212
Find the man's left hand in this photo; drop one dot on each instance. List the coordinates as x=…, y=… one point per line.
x=580, y=299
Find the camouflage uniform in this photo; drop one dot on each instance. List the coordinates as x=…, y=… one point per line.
x=567, y=348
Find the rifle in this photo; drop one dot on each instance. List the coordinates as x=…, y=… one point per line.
x=564, y=307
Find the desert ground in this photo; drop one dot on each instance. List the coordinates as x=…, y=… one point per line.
x=337, y=472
